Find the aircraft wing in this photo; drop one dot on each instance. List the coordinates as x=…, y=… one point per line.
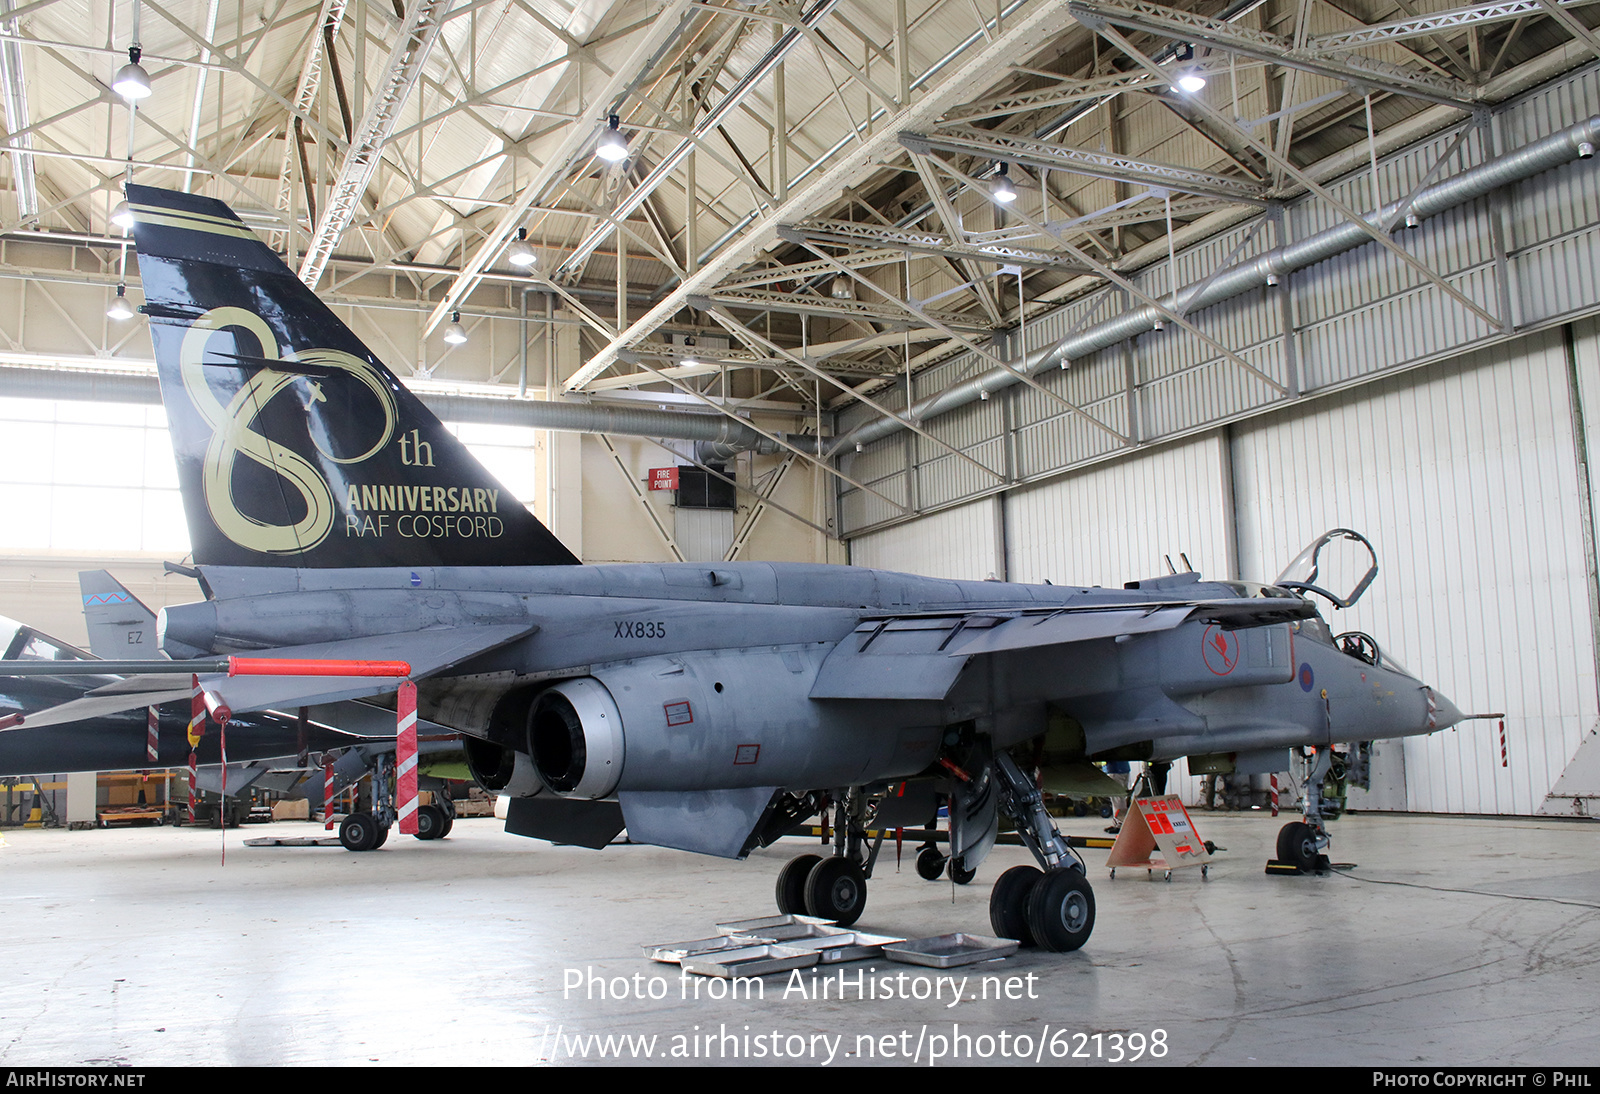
x=428, y=652
x=920, y=656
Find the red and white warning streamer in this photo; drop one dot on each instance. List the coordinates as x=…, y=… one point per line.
x=327, y=793
x=405, y=755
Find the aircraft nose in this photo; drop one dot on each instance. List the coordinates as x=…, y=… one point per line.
x=1442, y=713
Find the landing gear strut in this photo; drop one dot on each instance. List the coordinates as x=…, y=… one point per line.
x=1052, y=909
x=369, y=831
x=834, y=887
x=1304, y=844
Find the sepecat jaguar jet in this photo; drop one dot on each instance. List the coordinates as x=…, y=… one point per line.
x=706, y=707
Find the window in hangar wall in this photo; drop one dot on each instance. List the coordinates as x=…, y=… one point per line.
x=83, y=476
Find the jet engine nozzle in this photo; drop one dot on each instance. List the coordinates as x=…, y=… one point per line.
x=187, y=630
x=575, y=738
x=501, y=770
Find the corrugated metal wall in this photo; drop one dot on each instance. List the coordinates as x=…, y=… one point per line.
x=1115, y=523
x=956, y=543
x=1465, y=479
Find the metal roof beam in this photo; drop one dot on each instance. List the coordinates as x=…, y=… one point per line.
x=1230, y=38
x=305, y=90
x=1424, y=26
x=793, y=304
x=806, y=271
x=852, y=234
x=413, y=43
x=1047, y=156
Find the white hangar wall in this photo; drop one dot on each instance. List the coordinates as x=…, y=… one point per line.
x=1466, y=477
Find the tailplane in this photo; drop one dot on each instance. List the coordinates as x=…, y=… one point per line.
x=295, y=445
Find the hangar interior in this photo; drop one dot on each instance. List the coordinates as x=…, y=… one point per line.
x=1187, y=335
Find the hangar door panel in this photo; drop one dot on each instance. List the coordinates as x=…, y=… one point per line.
x=961, y=544
x=1116, y=523
x=1464, y=476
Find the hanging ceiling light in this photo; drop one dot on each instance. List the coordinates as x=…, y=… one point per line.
x=520, y=253
x=1189, y=80
x=612, y=146
x=132, y=81
x=688, y=360
x=122, y=216
x=455, y=333
x=120, y=307
x=1001, y=189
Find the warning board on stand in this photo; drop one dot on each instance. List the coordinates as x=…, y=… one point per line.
x=1158, y=823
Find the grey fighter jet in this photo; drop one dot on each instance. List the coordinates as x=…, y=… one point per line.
x=705, y=707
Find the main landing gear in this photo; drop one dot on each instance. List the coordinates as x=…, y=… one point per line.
x=834, y=887
x=1051, y=908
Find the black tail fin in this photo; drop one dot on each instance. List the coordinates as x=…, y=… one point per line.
x=121, y=627
x=295, y=445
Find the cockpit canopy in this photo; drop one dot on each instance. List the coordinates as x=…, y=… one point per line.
x=1306, y=571
x=22, y=643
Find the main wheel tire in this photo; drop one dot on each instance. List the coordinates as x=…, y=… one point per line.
x=358, y=832
x=1061, y=911
x=836, y=889
x=1297, y=843
x=791, y=887
x=930, y=864
x=449, y=823
x=1008, y=903
x=960, y=874
x=430, y=822
x=383, y=837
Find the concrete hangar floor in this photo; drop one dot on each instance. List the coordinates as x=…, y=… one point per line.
x=1453, y=941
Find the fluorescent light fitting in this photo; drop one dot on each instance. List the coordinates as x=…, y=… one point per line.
x=612, y=145
x=1001, y=189
x=132, y=82
x=455, y=333
x=520, y=253
x=120, y=308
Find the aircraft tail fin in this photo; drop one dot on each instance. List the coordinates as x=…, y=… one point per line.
x=295, y=445
x=121, y=627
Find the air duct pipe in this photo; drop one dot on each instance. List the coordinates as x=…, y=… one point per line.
x=1576, y=142
x=717, y=437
